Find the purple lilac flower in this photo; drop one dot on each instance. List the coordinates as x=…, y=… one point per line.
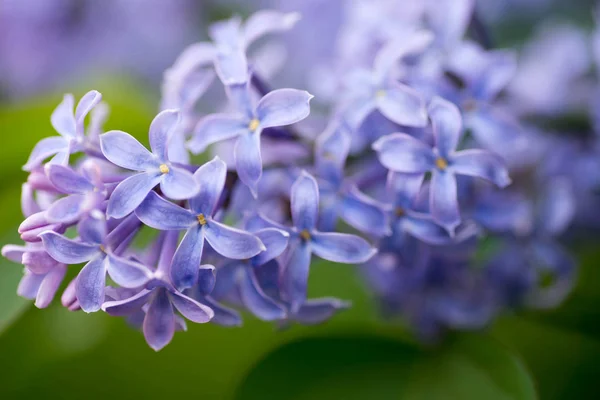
x=402, y=153
x=200, y=225
x=277, y=108
x=153, y=168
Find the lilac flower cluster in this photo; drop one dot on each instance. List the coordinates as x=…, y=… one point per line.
x=415, y=137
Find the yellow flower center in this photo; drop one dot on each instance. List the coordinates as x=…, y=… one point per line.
x=102, y=249
x=164, y=168
x=253, y=125
x=305, y=234
x=380, y=93
x=441, y=163
x=201, y=219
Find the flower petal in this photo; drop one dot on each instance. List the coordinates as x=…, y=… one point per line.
x=186, y=261
x=400, y=152
x=482, y=164
x=159, y=213
x=232, y=243
x=66, y=250
x=294, y=278
x=62, y=117
x=125, y=151
x=68, y=181
x=264, y=22
x=128, y=306
x=223, y=316
x=66, y=210
x=342, y=247
x=44, y=149
x=126, y=273
x=395, y=50
x=159, y=324
x=206, y=279
x=37, y=261
x=305, y=202
x=402, y=105
x=161, y=129
x=211, y=179
x=91, y=283
x=363, y=213
x=85, y=105
x=190, y=308
x=50, y=285
x=92, y=227
x=29, y=285
x=255, y=300
x=443, y=200
x=248, y=160
x=232, y=66
x=317, y=311
x=447, y=125
x=130, y=193
x=179, y=184
x=283, y=107
x=275, y=240
x=215, y=128
x=424, y=228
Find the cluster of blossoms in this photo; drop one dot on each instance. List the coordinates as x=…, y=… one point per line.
x=414, y=135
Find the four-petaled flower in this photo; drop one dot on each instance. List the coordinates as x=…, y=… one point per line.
x=402, y=153
x=277, y=108
x=70, y=128
x=154, y=168
x=159, y=213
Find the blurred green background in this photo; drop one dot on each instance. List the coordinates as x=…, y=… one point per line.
x=54, y=353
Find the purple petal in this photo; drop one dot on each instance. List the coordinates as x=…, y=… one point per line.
x=267, y=21
x=161, y=129
x=190, y=308
x=179, y=184
x=331, y=150
x=85, y=105
x=159, y=213
x=13, y=252
x=402, y=105
x=248, y=160
x=239, y=95
x=223, y=316
x=318, y=311
x=66, y=210
x=50, y=285
x=91, y=283
x=482, y=164
x=92, y=227
x=62, y=118
x=275, y=240
x=305, y=202
x=283, y=107
x=68, y=181
x=186, y=261
x=211, y=179
x=125, y=151
x=342, y=248
x=364, y=213
x=255, y=300
x=395, y=50
x=402, y=153
x=449, y=19
x=121, y=308
x=443, y=200
x=447, y=125
x=232, y=243
x=130, y=193
x=127, y=274
x=215, y=128
x=29, y=205
x=423, y=228
x=37, y=261
x=66, y=250
x=295, y=275
x=44, y=149
x=558, y=206
x=405, y=188
x=206, y=279
x=30, y=285
x=231, y=66
x=159, y=324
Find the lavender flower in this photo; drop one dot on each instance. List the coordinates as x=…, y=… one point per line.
x=154, y=168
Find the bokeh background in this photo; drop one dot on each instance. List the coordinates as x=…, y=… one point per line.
x=121, y=48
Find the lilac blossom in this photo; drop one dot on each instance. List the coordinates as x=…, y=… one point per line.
x=152, y=169
x=402, y=153
x=277, y=108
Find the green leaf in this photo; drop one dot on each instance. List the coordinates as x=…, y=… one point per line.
x=470, y=367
